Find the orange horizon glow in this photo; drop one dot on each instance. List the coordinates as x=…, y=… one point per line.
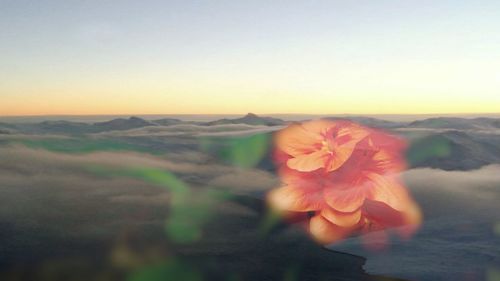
x=350, y=91
x=143, y=113
x=317, y=104
x=334, y=57
x=111, y=108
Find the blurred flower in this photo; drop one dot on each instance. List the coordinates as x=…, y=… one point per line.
x=319, y=144
x=345, y=176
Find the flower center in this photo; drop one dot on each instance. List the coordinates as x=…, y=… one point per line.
x=327, y=146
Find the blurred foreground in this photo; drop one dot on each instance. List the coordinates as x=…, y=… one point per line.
x=133, y=200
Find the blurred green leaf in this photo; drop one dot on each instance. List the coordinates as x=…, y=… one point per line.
x=170, y=270
x=428, y=148
x=270, y=220
x=190, y=210
x=292, y=273
x=493, y=274
x=496, y=228
x=243, y=152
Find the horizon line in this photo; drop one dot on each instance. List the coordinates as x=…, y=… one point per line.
x=259, y=114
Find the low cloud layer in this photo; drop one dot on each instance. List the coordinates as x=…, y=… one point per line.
x=193, y=130
x=44, y=189
x=48, y=193
x=474, y=192
x=457, y=237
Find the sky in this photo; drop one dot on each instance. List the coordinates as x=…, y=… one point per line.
x=231, y=57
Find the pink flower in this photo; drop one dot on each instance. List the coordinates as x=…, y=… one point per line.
x=319, y=144
x=346, y=176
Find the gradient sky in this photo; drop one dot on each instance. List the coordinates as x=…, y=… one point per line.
x=169, y=57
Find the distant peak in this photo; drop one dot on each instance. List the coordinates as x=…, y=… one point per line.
x=251, y=115
x=135, y=118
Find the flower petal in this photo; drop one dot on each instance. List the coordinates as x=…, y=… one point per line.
x=382, y=140
x=343, y=144
x=296, y=140
x=341, y=218
x=384, y=161
x=308, y=162
x=382, y=216
x=388, y=190
x=338, y=158
x=298, y=199
x=412, y=219
x=347, y=199
x=320, y=126
x=351, y=133
x=325, y=232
